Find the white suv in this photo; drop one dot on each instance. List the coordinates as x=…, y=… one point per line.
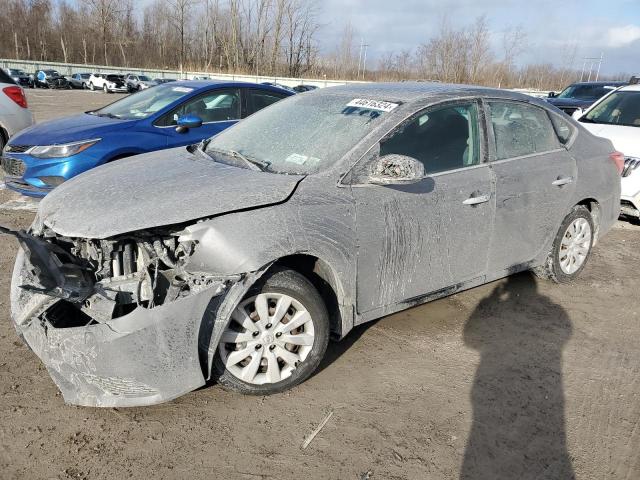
x=616, y=116
x=14, y=114
x=107, y=82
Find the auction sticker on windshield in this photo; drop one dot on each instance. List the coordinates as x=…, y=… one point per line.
x=372, y=104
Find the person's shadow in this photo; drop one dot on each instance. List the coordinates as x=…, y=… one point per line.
x=518, y=429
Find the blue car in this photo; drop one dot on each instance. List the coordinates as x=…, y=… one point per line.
x=40, y=158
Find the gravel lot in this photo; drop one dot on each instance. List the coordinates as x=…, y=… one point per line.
x=543, y=379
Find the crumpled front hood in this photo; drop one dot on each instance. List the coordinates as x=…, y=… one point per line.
x=156, y=189
x=69, y=129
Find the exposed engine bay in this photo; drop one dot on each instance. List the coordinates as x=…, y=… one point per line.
x=98, y=280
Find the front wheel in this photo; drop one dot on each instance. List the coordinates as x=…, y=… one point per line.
x=571, y=247
x=91, y=86
x=105, y=89
x=276, y=338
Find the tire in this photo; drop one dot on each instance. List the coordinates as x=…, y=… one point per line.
x=262, y=345
x=2, y=139
x=84, y=86
x=92, y=86
x=104, y=89
x=571, y=248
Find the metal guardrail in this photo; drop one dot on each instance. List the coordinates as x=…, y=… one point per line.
x=31, y=66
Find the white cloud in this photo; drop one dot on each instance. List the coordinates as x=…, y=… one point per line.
x=622, y=36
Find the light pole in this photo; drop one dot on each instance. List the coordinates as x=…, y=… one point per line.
x=364, y=62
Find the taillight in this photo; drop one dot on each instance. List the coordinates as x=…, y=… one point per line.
x=618, y=159
x=17, y=95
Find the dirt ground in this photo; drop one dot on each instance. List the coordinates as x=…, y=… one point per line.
x=518, y=379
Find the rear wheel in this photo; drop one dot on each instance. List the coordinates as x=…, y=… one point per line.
x=84, y=85
x=91, y=86
x=571, y=247
x=276, y=338
x=105, y=89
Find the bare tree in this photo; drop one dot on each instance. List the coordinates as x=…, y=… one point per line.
x=105, y=13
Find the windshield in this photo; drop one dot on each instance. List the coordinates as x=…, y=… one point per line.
x=113, y=78
x=585, y=92
x=52, y=73
x=16, y=72
x=85, y=75
x=302, y=134
x=619, y=108
x=144, y=78
x=144, y=103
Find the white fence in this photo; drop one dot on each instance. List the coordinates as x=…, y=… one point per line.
x=31, y=66
x=66, y=69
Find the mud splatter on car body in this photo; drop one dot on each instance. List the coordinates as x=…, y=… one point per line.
x=168, y=243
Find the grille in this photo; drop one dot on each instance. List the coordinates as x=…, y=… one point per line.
x=17, y=148
x=13, y=166
x=630, y=164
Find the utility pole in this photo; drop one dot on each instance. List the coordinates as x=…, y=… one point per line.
x=599, y=65
x=592, y=61
x=359, y=58
x=364, y=62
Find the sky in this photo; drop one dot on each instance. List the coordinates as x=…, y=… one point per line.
x=553, y=28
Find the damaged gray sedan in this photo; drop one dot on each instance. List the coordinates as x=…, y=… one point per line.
x=237, y=259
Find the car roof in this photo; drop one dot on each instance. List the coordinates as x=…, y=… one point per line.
x=223, y=84
x=616, y=83
x=630, y=88
x=408, y=92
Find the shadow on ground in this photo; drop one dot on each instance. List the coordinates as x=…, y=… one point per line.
x=518, y=428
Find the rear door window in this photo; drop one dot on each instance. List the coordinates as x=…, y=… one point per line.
x=520, y=129
x=259, y=99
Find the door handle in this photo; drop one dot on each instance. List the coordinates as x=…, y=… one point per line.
x=476, y=200
x=562, y=181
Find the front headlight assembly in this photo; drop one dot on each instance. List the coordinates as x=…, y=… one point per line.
x=61, y=151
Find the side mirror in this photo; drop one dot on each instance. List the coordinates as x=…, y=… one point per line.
x=185, y=122
x=578, y=113
x=552, y=95
x=396, y=169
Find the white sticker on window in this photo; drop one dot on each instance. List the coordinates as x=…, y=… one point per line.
x=372, y=104
x=297, y=159
x=182, y=89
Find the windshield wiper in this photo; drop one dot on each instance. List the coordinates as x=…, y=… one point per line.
x=108, y=115
x=253, y=164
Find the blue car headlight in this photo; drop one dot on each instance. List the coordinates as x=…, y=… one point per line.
x=61, y=151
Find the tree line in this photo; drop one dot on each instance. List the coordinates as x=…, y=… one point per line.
x=260, y=37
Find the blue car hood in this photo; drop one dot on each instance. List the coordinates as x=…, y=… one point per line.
x=156, y=189
x=69, y=129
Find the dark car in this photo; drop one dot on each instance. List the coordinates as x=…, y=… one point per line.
x=19, y=77
x=304, y=88
x=79, y=80
x=163, y=80
x=581, y=95
x=50, y=79
x=279, y=85
x=236, y=260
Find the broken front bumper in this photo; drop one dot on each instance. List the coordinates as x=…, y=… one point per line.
x=145, y=357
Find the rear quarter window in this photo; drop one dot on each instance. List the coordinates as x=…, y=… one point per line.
x=520, y=129
x=564, y=129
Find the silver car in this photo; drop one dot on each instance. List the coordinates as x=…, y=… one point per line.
x=237, y=259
